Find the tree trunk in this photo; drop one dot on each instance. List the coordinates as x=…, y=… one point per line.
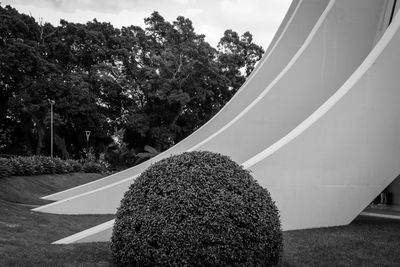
x=40, y=139
x=60, y=143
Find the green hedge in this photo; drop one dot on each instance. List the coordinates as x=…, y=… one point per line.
x=6, y=168
x=75, y=165
x=36, y=165
x=92, y=167
x=196, y=209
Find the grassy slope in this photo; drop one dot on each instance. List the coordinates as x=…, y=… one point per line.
x=29, y=189
x=25, y=236
x=25, y=239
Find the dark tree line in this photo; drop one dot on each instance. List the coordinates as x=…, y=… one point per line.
x=158, y=84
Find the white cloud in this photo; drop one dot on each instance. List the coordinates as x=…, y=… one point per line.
x=184, y=2
x=73, y=5
x=213, y=34
x=209, y=17
x=124, y=18
x=239, y=7
x=192, y=12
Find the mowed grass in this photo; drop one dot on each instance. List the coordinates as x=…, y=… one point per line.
x=29, y=189
x=26, y=236
x=367, y=241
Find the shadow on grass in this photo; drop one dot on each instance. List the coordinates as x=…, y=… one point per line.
x=367, y=241
x=26, y=236
x=29, y=189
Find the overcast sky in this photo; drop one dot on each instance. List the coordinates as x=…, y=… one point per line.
x=209, y=17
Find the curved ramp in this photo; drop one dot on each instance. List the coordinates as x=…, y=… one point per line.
x=329, y=168
x=99, y=233
x=289, y=37
x=340, y=40
x=326, y=170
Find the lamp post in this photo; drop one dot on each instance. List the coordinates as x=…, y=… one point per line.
x=52, y=102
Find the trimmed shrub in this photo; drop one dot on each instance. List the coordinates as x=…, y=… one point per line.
x=6, y=168
x=75, y=165
x=37, y=165
x=61, y=165
x=92, y=167
x=17, y=167
x=49, y=167
x=200, y=209
x=27, y=165
x=68, y=166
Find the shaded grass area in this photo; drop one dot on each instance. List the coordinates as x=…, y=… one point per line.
x=25, y=239
x=367, y=241
x=29, y=189
x=25, y=236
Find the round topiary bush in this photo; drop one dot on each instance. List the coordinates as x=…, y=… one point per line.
x=200, y=209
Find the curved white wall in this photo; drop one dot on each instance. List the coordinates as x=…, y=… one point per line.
x=290, y=36
x=99, y=233
x=340, y=40
x=331, y=54
x=326, y=170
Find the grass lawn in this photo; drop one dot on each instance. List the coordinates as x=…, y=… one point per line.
x=25, y=236
x=367, y=241
x=23, y=189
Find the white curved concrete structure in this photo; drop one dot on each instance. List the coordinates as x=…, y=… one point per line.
x=338, y=43
x=328, y=168
x=99, y=233
x=290, y=36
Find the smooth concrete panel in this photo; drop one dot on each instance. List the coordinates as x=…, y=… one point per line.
x=341, y=39
x=296, y=26
x=339, y=45
x=99, y=233
x=329, y=168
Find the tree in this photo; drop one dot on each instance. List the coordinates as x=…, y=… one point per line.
x=238, y=56
x=23, y=67
x=158, y=84
x=181, y=83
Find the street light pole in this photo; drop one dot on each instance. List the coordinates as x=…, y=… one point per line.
x=52, y=102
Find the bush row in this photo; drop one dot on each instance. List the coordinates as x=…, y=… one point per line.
x=36, y=165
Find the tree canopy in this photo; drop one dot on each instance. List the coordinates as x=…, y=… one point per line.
x=158, y=84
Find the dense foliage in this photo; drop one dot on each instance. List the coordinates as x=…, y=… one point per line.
x=158, y=83
x=36, y=165
x=196, y=209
